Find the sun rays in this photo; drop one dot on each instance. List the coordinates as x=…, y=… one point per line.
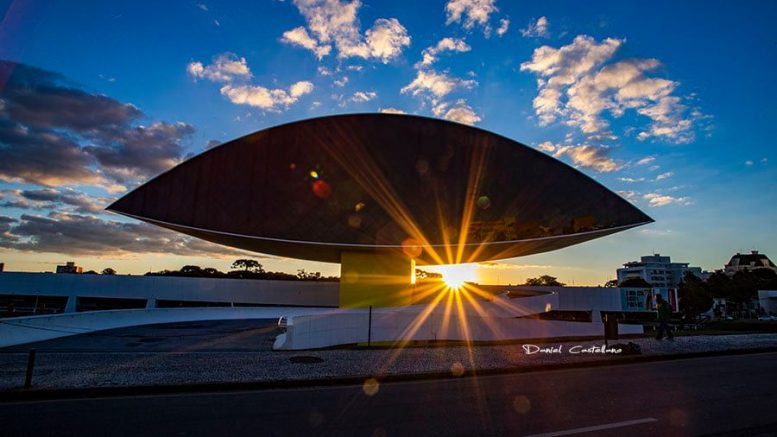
x=441, y=308
x=456, y=275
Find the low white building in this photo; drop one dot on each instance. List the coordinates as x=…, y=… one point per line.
x=659, y=271
x=41, y=306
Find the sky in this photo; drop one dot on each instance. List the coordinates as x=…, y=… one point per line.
x=671, y=105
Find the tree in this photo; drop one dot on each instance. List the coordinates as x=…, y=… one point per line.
x=611, y=283
x=191, y=271
x=248, y=264
x=635, y=283
x=211, y=272
x=719, y=285
x=545, y=280
x=305, y=276
x=695, y=297
x=108, y=271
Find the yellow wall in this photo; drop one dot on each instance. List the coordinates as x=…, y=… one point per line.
x=380, y=280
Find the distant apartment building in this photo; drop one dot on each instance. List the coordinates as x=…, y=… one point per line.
x=657, y=270
x=748, y=261
x=69, y=267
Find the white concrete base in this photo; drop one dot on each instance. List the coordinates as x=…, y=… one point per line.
x=21, y=330
x=496, y=320
x=311, y=328
x=325, y=330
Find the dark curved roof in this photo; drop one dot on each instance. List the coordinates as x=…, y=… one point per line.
x=442, y=192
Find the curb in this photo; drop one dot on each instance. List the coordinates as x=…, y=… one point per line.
x=148, y=390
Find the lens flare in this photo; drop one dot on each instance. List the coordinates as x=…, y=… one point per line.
x=483, y=202
x=322, y=189
x=412, y=247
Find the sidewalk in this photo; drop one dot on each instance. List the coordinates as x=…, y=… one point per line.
x=89, y=370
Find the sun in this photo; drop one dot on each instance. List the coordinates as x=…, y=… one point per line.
x=455, y=275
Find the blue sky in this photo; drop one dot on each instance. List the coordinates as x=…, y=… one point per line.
x=671, y=105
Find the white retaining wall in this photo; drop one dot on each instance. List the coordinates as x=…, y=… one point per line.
x=21, y=330
x=324, y=330
x=481, y=321
x=304, y=293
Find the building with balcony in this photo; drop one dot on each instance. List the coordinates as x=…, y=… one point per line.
x=657, y=270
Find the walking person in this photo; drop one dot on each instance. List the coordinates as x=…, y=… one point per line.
x=664, y=313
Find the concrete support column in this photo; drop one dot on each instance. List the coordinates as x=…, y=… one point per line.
x=70, y=306
x=373, y=279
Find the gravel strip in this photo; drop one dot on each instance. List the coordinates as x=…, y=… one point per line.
x=59, y=370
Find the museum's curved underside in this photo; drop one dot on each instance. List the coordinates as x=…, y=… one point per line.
x=438, y=191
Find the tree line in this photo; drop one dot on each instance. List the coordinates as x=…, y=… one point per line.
x=696, y=295
x=244, y=269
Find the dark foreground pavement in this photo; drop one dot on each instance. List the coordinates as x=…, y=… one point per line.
x=730, y=395
x=216, y=355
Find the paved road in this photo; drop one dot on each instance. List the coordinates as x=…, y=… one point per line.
x=734, y=395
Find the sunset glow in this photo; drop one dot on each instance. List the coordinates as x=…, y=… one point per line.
x=455, y=275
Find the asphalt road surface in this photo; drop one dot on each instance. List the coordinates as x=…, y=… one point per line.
x=732, y=395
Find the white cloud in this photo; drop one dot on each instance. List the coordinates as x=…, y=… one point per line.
x=224, y=68
x=460, y=112
x=748, y=163
x=631, y=196
x=341, y=82
x=646, y=160
x=386, y=39
x=669, y=121
x=563, y=67
x=631, y=180
x=584, y=155
x=392, y=111
x=300, y=88
x=504, y=24
x=508, y=266
x=578, y=86
x=333, y=22
x=658, y=200
x=547, y=146
x=300, y=37
x=434, y=84
x=537, y=29
x=364, y=96
x=656, y=232
x=470, y=12
x=429, y=54
x=663, y=176
x=227, y=68
x=590, y=156
x=269, y=99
